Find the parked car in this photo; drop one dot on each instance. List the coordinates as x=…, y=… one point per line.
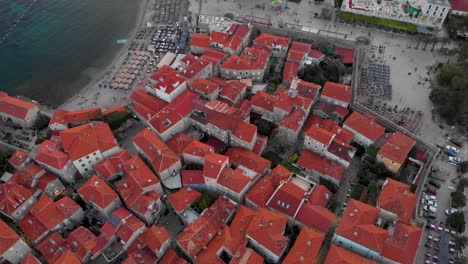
x=429, y=208
x=454, y=160
x=430, y=197
x=430, y=215
x=434, y=183
x=431, y=203
x=450, y=152
x=452, y=148
x=451, y=211
x=431, y=191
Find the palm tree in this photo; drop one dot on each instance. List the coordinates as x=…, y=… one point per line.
x=461, y=242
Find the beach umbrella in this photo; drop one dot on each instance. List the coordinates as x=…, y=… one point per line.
x=132, y=76
x=136, y=71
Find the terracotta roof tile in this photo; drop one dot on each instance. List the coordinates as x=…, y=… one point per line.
x=338, y=91
x=214, y=165
x=97, y=191
x=270, y=40
x=50, y=155
x=348, y=54
x=67, y=206
x=287, y=199
x=306, y=89
x=358, y=225
x=68, y=257
x=306, y=247
x=30, y=259
x=52, y=247
x=66, y=117
x=290, y=71
x=338, y=255
x=397, y=147
x=234, y=180
x=140, y=173
x=18, y=158
x=8, y=237
x=404, y=244
x=365, y=124
x=183, y=198
x=316, y=217
x=192, y=177
x=171, y=257
x=15, y=107
x=196, y=235
x=193, y=69
x=320, y=196
x=248, y=159
x=315, y=53
x=397, y=198
x=204, y=86
x=152, y=239
x=246, y=255
x=160, y=156
x=201, y=40
x=312, y=161
x=81, y=241
x=12, y=196
x=267, y=229
x=85, y=139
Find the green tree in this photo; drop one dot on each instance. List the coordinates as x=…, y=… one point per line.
x=458, y=199
x=463, y=53
x=463, y=168
x=461, y=242
x=457, y=221
x=448, y=72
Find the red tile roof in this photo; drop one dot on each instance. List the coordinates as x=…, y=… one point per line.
x=184, y=103
x=49, y=154
x=246, y=255
x=239, y=225
x=219, y=37
x=270, y=40
x=295, y=55
x=139, y=172
x=404, y=244
x=234, y=42
x=166, y=79
x=214, y=165
x=234, y=180
x=320, y=135
x=165, y=119
x=248, y=159
x=52, y=247
x=219, y=212
x=27, y=176
x=129, y=225
x=245, y=63
x=348, y=54
x=278, y=174
x=300, y=46
x=260, y=144
x=152, y=239
x=12, y=196
x=145, y=104
x=315, y=53
x=183, y=198
x=68, y=257
x=287, y=198
x=30, y=259
x=306, y=247
x=214, y=54
x=320, y=196
x=267, y=229
x=18, y=158
x=106, y=169
x=290, y=71
x=193, y=69
x=97, y=191
x=192, y=177
x=329, y=125
x=196, y=235
x=397, y=198
x=160, y=156
x=8, y=237
x=342, y=150
x=338, y=255
x=312, y=161
x=261, y=192
x=65, y=117
x=397, y=147
x=306, y=89
x=67, y=206
x=358, y=225
x=338, y=91
x=81, y=241
x=116, y=109
x=15, y=107
x=204, y=86
x=365, y=124
x=85, y=139
x=233, y=90
x=201, y=40
x=459, y=5
x=229, y=111
x=171, y=257
x=316, y=217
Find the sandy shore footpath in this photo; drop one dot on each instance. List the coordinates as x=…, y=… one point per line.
x=108, y=98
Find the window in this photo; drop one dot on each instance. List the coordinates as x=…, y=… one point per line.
x=434, y=13
x=443, y=9
x=86, y=169
x=80, y=160
x=436, y=8
x=94, y=154
x=87, y=157
x=427, y=12
x=287, y=206
x=82, y=165
x=279, y=202
x=429, y=7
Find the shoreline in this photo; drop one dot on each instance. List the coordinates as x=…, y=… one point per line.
x=91, y=88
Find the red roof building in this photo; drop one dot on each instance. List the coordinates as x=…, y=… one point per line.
x=200, y=68
x=190, y=149
x=171, y=257
x=62, y=118
x=287, y=199
x=397, y=198
x=291, y=68
x=10, y=242
x=337, y=93
x=68, y=257
x=196, y=235
x=192, y=177
x=19, y=111
x=298, y=51
x=233, y=92
x=306, y=247
x=358, y=225
x=305, y=89
x=459, y=7
x=88, y=144
x=404, y=244
x=166, y=83
x=266, y=230
x=272, y=41
x=28, y=177
x=316, y=54
x=12, y=197
x=199, y=43
x=214, y=164
x=145, y=104
x=150, y=245
x=53, y=247
x=365, y=128
x=30, y=259
x=183, y=198
x=81, y=242
x=396, y=149
x=259, y=195
x=162, y=158
x=207, y=89
x=347, y=54
x=19, y=159
x=321, y=165
x=234, y=181
x=317, y=217
x=338, y=255
x=97, y=193
x=247, y=160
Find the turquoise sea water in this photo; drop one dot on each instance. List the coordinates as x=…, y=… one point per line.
x=58, y=45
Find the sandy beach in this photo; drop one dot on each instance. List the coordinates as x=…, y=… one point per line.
x=108, y=98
